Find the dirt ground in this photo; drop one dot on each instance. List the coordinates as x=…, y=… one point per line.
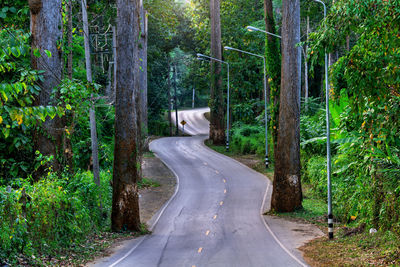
x=152, y=199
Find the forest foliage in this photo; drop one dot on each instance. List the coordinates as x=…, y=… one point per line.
x=365, y=110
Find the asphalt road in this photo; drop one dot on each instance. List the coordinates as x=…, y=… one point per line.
x=196, y=123
x=214, y=218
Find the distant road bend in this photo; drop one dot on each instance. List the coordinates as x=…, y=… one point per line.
x=214, y=218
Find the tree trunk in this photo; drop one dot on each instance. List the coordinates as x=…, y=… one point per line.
x=46, y=30
x=169, y=98
x=217, y=131
x=115, y=63
x=176, y=101
x=143, y=68
x=125, y=203
x=92, y=111
x=70, y=55
x=306, y=65
x=273, y=62
x=287, y=195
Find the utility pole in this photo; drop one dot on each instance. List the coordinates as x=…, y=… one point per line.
x=193, y=98
x=169, y=98
x=176, y=104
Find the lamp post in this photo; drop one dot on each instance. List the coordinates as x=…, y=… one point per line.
x=201, y=57
x=328, y=140
x=251, y=29
x=265, y=98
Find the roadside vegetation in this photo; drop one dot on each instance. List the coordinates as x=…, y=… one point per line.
x=50, y=202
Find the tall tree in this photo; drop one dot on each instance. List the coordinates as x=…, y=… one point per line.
x=143, y=67
x=125, y=203
x=273, y=60
x=217, y=132
x=46, y=32
x=306, y=63
x=92, y=111
x=287, y=194
x=69, y=34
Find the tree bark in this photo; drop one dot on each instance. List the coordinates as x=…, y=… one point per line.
x=217, y=130
x=70, y=55
x=306, y=65
x=287, y=194
x=46, y=29
x=272, y=56
x=143, y=68
x=115, y=63
x=92, y=111
x=125, y=204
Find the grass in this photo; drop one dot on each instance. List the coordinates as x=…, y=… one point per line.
x=380, y=249
x=252, y=161
x=96, y=245
x=147, y=183
x=148, y=154
x=314, y=209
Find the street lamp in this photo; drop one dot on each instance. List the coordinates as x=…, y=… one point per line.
x=201, y=57
x=265, y=98
x=328, y=140
x=251, y=28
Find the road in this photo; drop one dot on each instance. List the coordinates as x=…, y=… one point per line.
x=196, y=123
x=214, y=218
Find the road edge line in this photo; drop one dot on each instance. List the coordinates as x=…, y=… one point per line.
x=262, y=206
x=272, y=233
x=158, y=217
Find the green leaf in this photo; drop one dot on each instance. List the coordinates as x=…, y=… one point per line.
x=36, y=52
x=6, y=132
x=48, y=53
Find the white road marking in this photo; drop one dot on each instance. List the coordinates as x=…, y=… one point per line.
x=272, y=233
x=156, y=220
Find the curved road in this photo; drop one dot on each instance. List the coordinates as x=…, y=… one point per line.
x=214, y=218
x=196, y=123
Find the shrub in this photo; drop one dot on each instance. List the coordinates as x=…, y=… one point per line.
x=248, y=139
x=52, y=213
